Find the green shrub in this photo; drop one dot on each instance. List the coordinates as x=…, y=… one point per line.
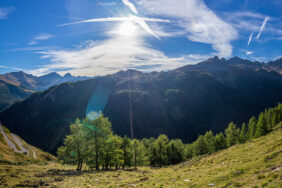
x=261, y=177
x=6, y=130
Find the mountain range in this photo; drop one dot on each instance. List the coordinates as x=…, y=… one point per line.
x=17, y=86
x=180, y=103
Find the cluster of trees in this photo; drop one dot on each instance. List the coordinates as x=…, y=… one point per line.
x=210, y=143
x=93, y=143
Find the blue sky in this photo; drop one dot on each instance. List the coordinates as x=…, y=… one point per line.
x=95, y=37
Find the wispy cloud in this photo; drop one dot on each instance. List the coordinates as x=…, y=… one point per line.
x=120, y=51
x=250, y=39
x=42, y=36
x=32, y=48
x=262, y=27
x=245, y=14
x=107, y=4
x=200, y=23
x=5, y=11
x=130, y=5
x=109, y=56
x=13, y=68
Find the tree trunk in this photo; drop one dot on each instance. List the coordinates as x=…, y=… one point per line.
x=135, y=168
x=79, y=165
x=97, y=152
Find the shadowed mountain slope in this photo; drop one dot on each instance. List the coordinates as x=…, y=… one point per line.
x=181, y=103
x=17, y=86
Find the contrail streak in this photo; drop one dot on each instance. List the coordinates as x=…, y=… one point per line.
x=118, y=19
x=262, y=27
x=130, y=5
x=138, y=20
x=145, y=26
x=250, y=39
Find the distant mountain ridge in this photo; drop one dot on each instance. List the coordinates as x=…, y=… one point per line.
x=39, y=83
x=180, y=103
x=220, y=64
x=16, y=86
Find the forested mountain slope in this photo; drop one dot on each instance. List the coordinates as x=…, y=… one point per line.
x=181, y=103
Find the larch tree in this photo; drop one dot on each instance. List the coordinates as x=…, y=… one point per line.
x=261, y=126
x=232, y=134
x=75, y=147
x=210, y=141
x=98, y=131
x=243, y=133
x=252, y=126
x=220, y=142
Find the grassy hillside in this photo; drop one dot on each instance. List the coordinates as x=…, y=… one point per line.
x=9, y=156
x=257, y=163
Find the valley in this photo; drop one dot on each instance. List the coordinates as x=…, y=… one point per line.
x=140, y=93
x=257, y=163
x=180, y=103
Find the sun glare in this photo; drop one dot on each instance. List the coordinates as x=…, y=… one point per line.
x=127, y=29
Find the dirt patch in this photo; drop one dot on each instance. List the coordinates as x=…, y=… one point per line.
x=276, y=169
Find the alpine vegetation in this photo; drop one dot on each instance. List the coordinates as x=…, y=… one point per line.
x=93, y=143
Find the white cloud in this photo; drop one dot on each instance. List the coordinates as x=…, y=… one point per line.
x=130, y=5
x=107, y=4
x=250, y=39
x=262, y=27
x=249, y=52
x=4, y=12
x=109, y=56
x=199, y=22
x=42, y=36
x=246, y=14
x=32, y=42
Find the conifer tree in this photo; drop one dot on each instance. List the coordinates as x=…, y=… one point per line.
x=252, y=125
x=220, y=142
x=161, y=145
x=126, y=148
x=210, y=141
x=189, y=151
x=243, y=133
x=139, y=154
x=175, y=151
x=97, y=132
x=261, y=126
x=74, y=149
x=232, y=134
x=200, y=146
x=117, y=151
